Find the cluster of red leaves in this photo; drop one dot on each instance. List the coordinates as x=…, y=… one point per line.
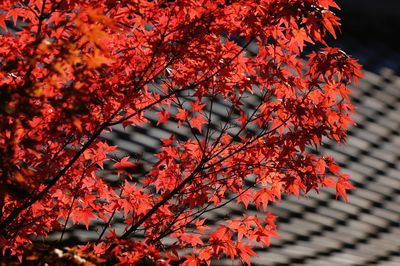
x=72, y=69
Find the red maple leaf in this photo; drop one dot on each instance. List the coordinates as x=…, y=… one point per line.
x=197, y=106
x=342, y=185
x=164, y=116
x=198, y=122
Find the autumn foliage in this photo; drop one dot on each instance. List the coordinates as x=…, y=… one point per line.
x=70, y=70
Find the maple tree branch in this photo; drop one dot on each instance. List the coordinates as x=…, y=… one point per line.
x=162, y=235
x=149, y=65
x=238, y=133
x=191, y=177
x=135, y=226
x=224, y=128
x=165, y=233
x=41, y=18
x=181, y=211
x=272, y=130
x=199, y=213
x=192, y=86
x=15, y=213
x=109, y=220
x=125, y=118
x=145, y=108
x=72, y=204
x=213, y=98
x=53, y=181
x=191, y=128
x=21, y=88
